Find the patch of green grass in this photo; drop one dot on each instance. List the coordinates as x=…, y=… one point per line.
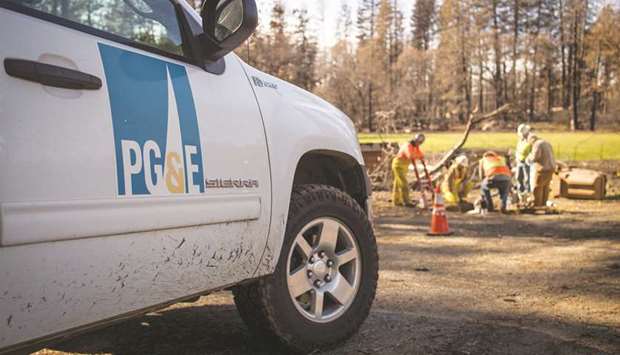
x=571, y=146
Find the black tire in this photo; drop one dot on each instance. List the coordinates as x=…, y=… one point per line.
x=265, y=304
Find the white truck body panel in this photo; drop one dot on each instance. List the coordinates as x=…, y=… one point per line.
x=27, y=222
x=85, y=236
x=296, y=122
x=73, y=249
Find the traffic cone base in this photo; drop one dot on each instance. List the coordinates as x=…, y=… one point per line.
x=439, y=220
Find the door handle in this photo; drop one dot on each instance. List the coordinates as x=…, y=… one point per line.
x=51, y=75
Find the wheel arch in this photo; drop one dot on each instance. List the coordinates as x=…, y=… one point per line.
x=329, y=167
x=333, y=168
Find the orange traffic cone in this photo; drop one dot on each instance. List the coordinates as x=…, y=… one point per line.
x=439, y=221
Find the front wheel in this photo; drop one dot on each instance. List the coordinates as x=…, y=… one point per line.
x=326, y=277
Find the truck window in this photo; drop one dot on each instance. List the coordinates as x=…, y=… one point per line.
x=150, y=22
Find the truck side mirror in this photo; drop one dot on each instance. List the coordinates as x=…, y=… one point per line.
x=226, y=25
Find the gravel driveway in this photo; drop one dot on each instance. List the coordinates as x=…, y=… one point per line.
x=518, y=284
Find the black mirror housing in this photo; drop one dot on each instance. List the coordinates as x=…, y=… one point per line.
x=213, y=48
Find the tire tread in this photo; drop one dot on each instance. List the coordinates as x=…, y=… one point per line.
x=253, y=300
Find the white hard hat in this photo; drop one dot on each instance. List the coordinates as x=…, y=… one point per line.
x=462, y=160
x=419, y=138
x=523, y=130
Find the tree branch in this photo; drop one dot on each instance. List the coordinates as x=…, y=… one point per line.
x=470, y=124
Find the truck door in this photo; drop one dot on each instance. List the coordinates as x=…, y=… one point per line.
x=129, y=177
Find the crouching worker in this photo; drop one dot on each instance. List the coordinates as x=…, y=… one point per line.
x=495, y=174
x=400, y=165
x=456, y=185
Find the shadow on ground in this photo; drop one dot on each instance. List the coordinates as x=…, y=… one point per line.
x=218, y=329
x=190, y=329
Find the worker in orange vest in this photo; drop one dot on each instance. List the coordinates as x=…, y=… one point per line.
x=400, y=165
x=495, y=174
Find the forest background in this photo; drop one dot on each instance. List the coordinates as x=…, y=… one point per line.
x=554, y=61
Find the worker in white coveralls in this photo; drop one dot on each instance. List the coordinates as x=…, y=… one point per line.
x=542, y=164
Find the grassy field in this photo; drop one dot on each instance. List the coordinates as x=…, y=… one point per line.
x=567, y=145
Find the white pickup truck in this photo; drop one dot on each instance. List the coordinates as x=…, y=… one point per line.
x=142, y=163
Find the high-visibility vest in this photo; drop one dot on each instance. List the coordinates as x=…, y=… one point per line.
x=495, y=165
x=523, y=150
x=410, y=150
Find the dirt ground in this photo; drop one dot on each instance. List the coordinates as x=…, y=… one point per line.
x=516, y=284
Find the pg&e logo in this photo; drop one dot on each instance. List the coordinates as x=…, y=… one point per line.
x=263, y=84
x=156, y=136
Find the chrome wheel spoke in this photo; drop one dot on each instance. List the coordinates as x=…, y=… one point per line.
x=329, y=235
x=315, y=268
x=346, y=256
x=304, y=246
x=342, y=291
x=298, y=283
x=317, y=304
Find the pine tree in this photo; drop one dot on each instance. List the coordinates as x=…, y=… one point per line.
x=366, y=14
x=304, y=74
x=367, y=61
x=453, y=59
x=422, y=20
x=344, y=24
x=278, y=58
